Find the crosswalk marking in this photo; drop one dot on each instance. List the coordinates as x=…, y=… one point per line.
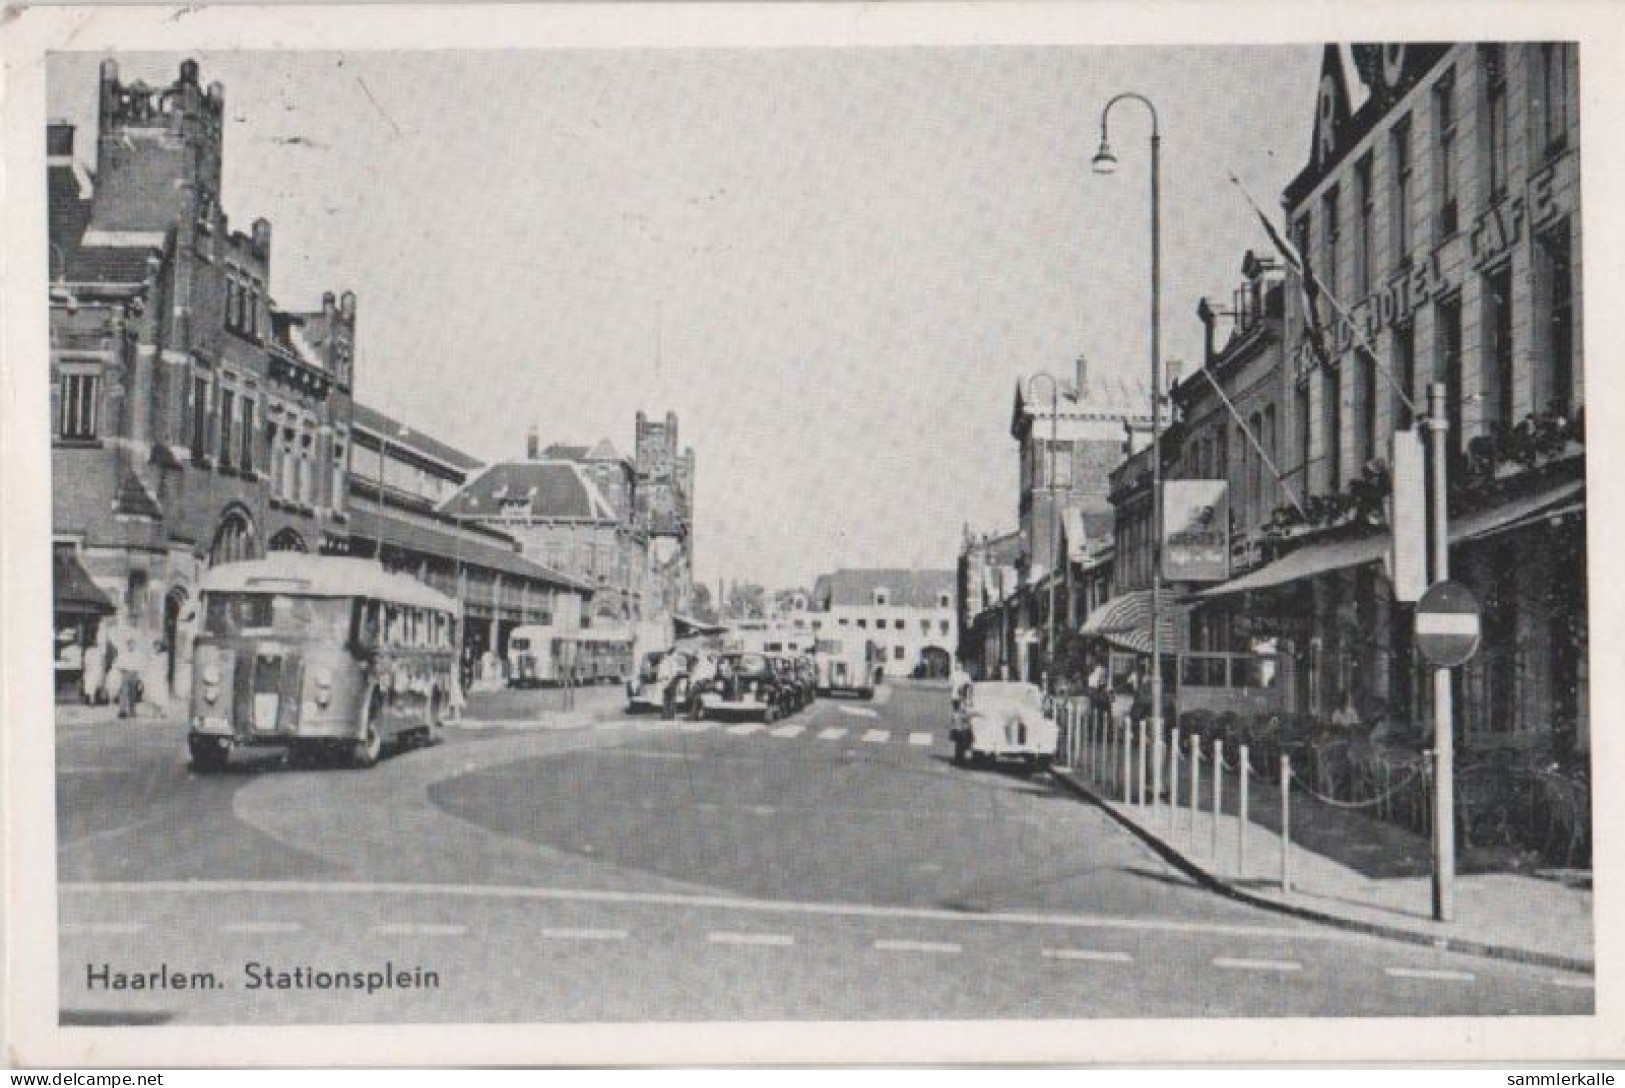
x=260, y=927
x=834, y=732
x=745, y=729
x=410, y=929
x=922, y=740
x=859, y=712
x=877, y=736
x=788, y=731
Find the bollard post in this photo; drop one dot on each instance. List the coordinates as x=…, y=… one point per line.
x=1244, y=770
x=1218, y=791
x=1143, y=756
x=1196, y=784
x=1173, y=784
x=1286, y=824
x=1124, y=742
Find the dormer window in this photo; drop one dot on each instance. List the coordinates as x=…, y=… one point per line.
x=882, y=596
x=515, y=508
x=943, y=600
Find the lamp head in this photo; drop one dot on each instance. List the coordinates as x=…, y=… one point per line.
x=1104, y=161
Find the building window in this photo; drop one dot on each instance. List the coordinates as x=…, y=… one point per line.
x=1495, y=118
x=200, y=416
x=1404, y=372
x=1244, y=495
x=228, y=408
x=1268, y=438
x=880, y=598
x=1444, y=115
x=246, y=460
x=1365, y=407
x=1447, y=369
x=78, y=415
x=898, y=623
x=1331, y=406
x=1399, y=214
x=339, y=451
x=1058, y=454
x=273, y=450
x=861, y=623
x=1498, y=344
x=1552, y=97
x=1306, y=427
x=1557, y=287
x=943, y=626
x=841, y=622
x=1364, y=209
x=231, y=302
x=897, y=653
x=1331, y=234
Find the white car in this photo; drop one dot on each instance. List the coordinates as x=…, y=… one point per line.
x=1001, y=720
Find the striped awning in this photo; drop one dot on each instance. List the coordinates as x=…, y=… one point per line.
x=1125, y=621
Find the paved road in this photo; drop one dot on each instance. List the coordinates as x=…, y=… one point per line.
x=599, y=867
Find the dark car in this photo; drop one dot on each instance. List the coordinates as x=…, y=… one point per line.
x=746, y=683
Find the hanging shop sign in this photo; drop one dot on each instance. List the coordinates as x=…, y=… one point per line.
x=1196, y=530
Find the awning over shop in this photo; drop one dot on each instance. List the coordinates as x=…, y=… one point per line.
x=688, y=627
x=453, y=543
x=1126, y=621
x=1514, y=513
x=73, y=592
x=1331, y=555
x=1306, y=562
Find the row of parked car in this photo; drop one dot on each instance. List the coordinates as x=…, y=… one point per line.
x=695, y=684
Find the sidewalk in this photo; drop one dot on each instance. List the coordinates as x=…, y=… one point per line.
x=1362, y=873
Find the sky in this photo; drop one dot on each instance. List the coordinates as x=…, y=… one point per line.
x=833, y=264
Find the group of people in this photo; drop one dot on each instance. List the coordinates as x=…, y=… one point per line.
x=113, y=665
x=680, y=670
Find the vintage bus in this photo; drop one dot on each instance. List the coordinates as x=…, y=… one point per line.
x=848, y=664
x=539, y=654
x=321, y=656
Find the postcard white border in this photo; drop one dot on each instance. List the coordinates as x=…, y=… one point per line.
x=28, y=1017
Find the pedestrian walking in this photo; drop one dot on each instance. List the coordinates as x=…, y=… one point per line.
x=128, y=658
x=666, y=677
x=958, y=684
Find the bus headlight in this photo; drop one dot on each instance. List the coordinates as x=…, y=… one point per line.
x=211, y=692
x=211, y=674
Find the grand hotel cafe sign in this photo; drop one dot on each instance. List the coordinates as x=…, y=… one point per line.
x=1491, y=237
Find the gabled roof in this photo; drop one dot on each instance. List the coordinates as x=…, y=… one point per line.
x=68, y=204
x=905, y=588
x=555, y=489
x=371, y=420
x=109, y=264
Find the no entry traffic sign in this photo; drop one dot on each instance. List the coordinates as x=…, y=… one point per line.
x=1447, y=624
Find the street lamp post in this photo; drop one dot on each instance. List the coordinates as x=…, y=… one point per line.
x=1105, y=162
x=1054, y=523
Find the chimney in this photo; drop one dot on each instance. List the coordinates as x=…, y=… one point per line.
x=1082, y=382
x=533, y=444
x=327, y=303
x=262, y=239
x=59, y=140
x=347, y=307
x=1205, y=312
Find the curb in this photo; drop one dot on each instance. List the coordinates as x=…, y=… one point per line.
x=1373, y=929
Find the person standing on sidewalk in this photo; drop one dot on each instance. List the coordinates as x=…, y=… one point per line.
x=127, y=659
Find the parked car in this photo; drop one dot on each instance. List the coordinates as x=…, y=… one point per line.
x=644, y=691
x=746, y=683
x=1003, y=720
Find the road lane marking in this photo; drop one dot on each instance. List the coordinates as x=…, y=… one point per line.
x=1231, y=963
x=777, y=940
x=260, y=927
x=859, y=711
x=102, y=927
x=1575, y=984
x=215, y=888
x=1087, y=954
x=745, y=729
x=946, y=948
x=584, y=934
x=644, y=753
x=1435, y=974
x=921, y=740
x=696, y=727
x=834, y=732
x=418, y=929
x=876, y=736
x=788, y=731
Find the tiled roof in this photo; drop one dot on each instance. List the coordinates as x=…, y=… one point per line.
x=560, y=451
x=371, y=420
x=555, y=490
x=133, y=499
x=454, y=542
x=69, y=210
x=905, y=588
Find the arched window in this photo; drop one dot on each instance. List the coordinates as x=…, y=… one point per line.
x=288, y=540
x=233, y=540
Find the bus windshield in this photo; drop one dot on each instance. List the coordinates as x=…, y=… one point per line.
x=326, y=618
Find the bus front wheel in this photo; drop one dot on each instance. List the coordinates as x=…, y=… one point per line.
x=365, y=752
x=208, y=756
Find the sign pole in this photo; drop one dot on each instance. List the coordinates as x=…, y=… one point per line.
x=1444, y=794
